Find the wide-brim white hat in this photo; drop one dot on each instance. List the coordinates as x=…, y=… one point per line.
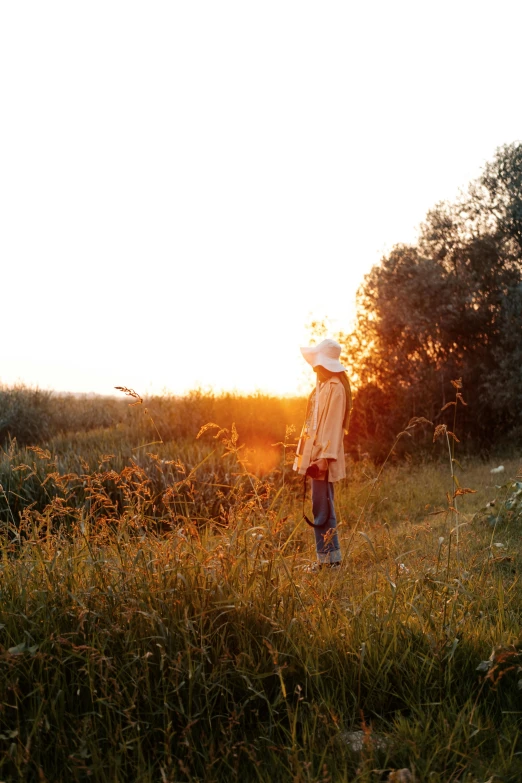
x=325, y=354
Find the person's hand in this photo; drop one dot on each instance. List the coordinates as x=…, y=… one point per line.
x=322, y=464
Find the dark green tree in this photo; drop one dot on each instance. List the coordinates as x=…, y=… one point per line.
x=448, y=307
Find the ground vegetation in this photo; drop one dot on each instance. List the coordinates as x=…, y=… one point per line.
x=159, y=620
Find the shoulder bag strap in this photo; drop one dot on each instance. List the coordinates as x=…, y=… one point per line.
x=306, y=519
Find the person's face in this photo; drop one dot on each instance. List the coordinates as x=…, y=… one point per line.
x=322, y=373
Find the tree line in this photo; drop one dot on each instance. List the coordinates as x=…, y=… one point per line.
x=447, y=307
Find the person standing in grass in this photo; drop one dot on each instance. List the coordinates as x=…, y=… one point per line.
x=320, y=451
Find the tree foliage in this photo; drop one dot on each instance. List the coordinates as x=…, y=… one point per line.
x=448, y=307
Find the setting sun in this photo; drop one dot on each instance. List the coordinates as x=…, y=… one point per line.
x=179, y=205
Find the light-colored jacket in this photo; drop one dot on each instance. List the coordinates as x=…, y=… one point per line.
x=326, y=441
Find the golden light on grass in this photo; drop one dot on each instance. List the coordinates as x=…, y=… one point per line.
x=160, y=596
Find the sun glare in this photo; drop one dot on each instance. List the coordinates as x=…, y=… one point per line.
x=175, y=220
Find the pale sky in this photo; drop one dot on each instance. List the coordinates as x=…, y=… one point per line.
x=182, y=184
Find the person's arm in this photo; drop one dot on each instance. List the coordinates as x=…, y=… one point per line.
x=332, y=432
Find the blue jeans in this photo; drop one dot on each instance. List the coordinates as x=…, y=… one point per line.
x=326, y=540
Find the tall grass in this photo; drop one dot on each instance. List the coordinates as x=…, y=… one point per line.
x=35, y=416
x=157, y=623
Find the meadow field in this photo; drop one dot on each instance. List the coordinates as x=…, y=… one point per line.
x=158, y=620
